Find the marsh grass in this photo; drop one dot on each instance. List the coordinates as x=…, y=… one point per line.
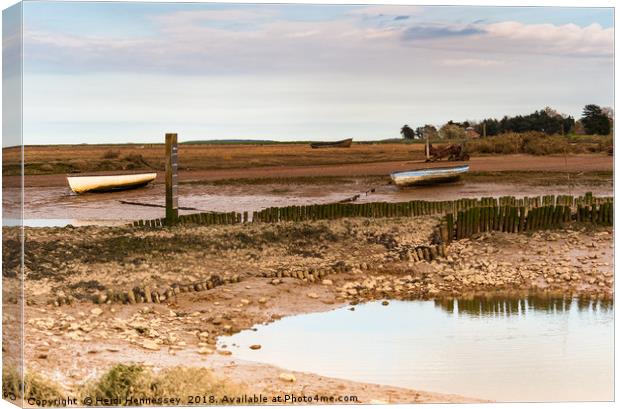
x=137, y=382
x=33, y=386
x=538, y=143
x=58, y=159
x=111, y=154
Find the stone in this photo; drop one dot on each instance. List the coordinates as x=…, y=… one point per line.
x=96, y=312
x=262, y=300
x=255, y=346
x=385, y=303
x=205, y=351
x=287, y=377
x=151, y=345
x=327, y=282
x=313, y=295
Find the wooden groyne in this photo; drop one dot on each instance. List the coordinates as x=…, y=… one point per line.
x=505, y=213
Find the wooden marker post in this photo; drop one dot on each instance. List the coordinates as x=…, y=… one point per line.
x=172, y=197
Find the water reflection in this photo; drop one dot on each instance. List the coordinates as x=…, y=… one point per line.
x=489, y=306
x=533, y=348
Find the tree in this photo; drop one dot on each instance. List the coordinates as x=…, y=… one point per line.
x=488, y=127
x=452, y=131
x=419, y=132
x=595, y=121
x=407, y=132
x=430, y=132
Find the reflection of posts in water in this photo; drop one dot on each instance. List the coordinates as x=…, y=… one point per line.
x=489, y=306
x=172, y=200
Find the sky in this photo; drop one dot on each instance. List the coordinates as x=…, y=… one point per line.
x=130, y=72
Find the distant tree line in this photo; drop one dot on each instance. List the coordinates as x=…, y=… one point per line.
x=594, y=121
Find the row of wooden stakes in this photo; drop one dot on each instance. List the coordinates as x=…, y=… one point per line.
x=380, y=209
x=513, y=219
x=149, y=294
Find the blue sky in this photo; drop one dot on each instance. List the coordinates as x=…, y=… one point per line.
x=123, y=72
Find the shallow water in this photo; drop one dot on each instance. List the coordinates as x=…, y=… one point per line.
x=500, y=349
x=104, y=208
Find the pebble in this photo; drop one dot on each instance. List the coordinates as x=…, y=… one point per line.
x=327, y=282
x=205, y=351
x=96, y=312
x=255, y=346
x=385, y=303
x=313, y=295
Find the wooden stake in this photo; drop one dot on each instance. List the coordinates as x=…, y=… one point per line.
x=172, y=201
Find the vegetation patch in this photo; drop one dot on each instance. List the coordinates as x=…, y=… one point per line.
x=33, y=386
x=135, y=385
x=538, y=143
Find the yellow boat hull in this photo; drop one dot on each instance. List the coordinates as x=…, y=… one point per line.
x=83, y=184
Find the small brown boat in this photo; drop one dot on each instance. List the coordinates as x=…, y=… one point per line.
x=345, y=143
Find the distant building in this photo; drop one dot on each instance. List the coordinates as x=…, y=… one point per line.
x=471, y=133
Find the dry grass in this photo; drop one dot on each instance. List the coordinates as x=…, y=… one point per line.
x=60, y=159
x=538, y=143
x=123, y=381
x=137, y=382
x=90, y=158
x=111, y=154
x=34, y=386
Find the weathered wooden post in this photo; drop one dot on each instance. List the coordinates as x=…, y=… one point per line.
x=172, y=199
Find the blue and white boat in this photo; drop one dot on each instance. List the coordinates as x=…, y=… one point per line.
x=428, y=175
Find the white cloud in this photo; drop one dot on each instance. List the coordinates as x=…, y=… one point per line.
x=188, y=44
x=469, y=62
x=568, y=39
x=386, y=10
x=305, y=79
x=512, y=37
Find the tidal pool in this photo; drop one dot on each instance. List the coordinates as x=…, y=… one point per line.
x=530, y=349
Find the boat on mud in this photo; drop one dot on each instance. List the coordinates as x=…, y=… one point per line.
x=345, y=143
x=83, y=184
x=428, y=176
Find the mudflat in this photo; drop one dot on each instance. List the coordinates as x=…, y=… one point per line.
x=230, y=278
x=358, y=167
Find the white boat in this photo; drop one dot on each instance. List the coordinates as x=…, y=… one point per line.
x=83, y=184
x=428, y=175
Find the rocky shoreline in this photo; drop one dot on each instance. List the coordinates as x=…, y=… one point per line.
x=265, y=272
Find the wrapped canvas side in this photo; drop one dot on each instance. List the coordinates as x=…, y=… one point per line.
x=12, y=207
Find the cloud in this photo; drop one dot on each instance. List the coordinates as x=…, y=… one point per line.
x=432, y=32
x=567, y=39
x=385, y=10
x=469, y=62
x=186, y=42
x=512, y=37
